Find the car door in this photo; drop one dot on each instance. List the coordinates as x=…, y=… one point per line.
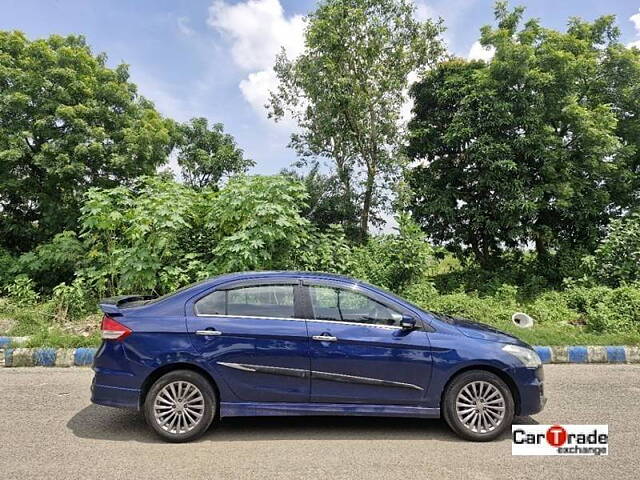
x=359, y=353
x=249, y=334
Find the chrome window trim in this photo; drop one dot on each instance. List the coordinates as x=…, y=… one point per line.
x=218, y=315
x=374, y=325
x=296, y=319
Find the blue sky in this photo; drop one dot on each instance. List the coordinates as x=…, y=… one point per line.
x=213, y=58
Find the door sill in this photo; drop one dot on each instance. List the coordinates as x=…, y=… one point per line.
x=267, y=409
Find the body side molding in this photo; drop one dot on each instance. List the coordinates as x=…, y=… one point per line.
x=335, y=377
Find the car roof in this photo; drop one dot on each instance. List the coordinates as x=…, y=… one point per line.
x=282, y=273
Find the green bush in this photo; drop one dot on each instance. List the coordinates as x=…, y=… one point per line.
x=394, y=261
x=53, y=262
x=26, y=319
x=132, y=235
x=522, y=269
x=617, y=258
x=327, y=251
x=58, y=338
x=552, y=308
x=256, y=223
x=72, y=301
x=480, y=309
x=7, y=265
x=617, y=311
x=22, y=292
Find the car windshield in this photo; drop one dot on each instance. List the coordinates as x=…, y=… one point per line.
x=394, y=295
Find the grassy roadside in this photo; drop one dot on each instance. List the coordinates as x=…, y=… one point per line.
x=567, y=335
x=44, y=329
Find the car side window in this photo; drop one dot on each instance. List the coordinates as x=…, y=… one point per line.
x=254, y=301
x=212, y=304
x=349, y=306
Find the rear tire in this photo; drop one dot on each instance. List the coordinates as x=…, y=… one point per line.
x=180, y=406
x=478, y=406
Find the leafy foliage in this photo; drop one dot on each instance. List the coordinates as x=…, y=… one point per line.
x=72, y=301
x=67, y=123
x=159, y=235
x=132, y=237
x=206, y=156
x=22, y=292
x=532, y=148
x=617, y=259
x=394, y=261
x=346, y=90
x=258, y=223
x=53, y=262
x=537, y=148
x=7, y=262
x=329, y=203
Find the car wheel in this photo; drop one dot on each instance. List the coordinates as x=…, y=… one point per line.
x=478, y=406
x=180, y=406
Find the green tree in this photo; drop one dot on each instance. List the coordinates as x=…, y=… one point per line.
x=67, y=123
x=530, y=148
x=206, y=155
x=328, y=203
x=346, y=90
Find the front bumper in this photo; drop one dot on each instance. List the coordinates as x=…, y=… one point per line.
x=530, y=382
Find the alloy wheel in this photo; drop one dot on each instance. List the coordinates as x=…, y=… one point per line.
x=480, y=406
x=179, y=407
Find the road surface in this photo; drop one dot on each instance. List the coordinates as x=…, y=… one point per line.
x=51, y=430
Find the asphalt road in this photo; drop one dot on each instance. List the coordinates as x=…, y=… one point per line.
x=50, y=430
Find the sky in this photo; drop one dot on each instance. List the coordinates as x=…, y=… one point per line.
x=214, y=58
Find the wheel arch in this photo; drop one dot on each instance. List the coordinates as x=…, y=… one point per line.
x=164, y=369
x=504, y=376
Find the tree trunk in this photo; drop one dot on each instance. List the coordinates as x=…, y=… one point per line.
x=366, y=206
x=541, y=247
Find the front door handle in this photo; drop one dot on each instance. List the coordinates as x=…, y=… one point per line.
x=325, y=338
x=209, y=332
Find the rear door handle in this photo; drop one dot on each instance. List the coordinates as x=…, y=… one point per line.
x=325, y=338
x=208, y=332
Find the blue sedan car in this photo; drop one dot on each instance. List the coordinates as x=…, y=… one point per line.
x=296, y=343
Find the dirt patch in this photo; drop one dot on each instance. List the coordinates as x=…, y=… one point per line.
x=85, y=327
x=6, y=324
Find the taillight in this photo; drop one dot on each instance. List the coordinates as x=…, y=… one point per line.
x=112, y=330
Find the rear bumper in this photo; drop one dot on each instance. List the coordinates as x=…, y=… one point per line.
x=119, y=397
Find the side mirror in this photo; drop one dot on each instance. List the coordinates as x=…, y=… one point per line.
x=407, y=323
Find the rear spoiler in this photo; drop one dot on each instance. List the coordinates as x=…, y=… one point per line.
x=112, y=305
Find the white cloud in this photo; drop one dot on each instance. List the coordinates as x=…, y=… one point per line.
x=257, y=30
x=636, y=21
x=424, y=11
x=478, y=52
x=635, y=18
x=183, y=26
x=256, y=87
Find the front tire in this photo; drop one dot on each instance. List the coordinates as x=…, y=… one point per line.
x=478, y=406
x=180, y=406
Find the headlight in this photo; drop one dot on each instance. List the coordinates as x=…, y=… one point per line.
x=528, y=357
